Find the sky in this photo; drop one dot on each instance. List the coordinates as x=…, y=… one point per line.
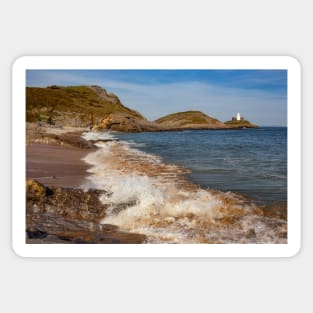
x=259, y=95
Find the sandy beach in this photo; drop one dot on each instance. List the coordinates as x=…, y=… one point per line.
x=56, y=165
x=57, y=210
x=136, y=193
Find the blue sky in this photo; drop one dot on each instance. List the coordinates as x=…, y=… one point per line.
x=259, y=95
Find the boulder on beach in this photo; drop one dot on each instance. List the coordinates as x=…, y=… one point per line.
x=70, y=215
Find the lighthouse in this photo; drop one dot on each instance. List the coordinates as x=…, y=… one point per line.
x=238, y=117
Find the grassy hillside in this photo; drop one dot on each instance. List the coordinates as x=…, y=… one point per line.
x=75, y=105
x=84, y=106
x=189, y=119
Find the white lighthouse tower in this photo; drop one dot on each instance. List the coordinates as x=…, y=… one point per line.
x=238, y=116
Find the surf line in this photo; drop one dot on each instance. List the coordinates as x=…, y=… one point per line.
x=146, y=195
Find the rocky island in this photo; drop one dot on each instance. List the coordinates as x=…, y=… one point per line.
x=190, y=120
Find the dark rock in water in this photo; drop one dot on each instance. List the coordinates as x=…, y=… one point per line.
x=102, y=140
x=66, y=230
x=69, y=215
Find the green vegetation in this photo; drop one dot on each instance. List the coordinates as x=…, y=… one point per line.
x=84, y=106
x=188, y=117
x=83, y=103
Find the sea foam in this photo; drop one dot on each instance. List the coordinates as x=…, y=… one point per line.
x=148, y=196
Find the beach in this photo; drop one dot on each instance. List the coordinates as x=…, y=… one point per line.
x=92, y=187
x=56, y=165
x=58, y=210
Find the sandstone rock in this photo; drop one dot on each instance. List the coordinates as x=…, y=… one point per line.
x=53, y=228
x=69, y=202
x=69, y=215
x=120, y=121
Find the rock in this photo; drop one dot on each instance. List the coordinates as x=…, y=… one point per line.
x=74, y=139
x=234, y=124
x=37, y=134
x=35, y=190
x=53, y=228
x=124, y=122
x=69, y=215
x=68, y=202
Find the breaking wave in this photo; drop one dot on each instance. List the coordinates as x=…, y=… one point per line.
x=146, y=195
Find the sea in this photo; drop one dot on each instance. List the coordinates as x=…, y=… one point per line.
x=193, y=186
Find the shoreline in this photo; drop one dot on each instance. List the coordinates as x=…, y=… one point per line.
x=58, y=210
x=56, y=171
x=170, y=209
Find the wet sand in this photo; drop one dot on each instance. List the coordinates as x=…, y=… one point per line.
x=56, y=165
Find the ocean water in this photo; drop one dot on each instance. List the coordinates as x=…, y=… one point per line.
x=248, y=161
x=193, y=186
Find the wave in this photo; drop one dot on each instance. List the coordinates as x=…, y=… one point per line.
x=167, y=207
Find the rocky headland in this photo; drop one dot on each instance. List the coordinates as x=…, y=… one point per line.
x=95, y=108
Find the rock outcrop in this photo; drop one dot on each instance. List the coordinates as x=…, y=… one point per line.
x=68, y=215
x=38, y=134
x=233, y=124
x=124, y=122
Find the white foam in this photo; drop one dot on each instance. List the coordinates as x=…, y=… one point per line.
x=150, y=197
x=94, y=136
x=153, y=198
